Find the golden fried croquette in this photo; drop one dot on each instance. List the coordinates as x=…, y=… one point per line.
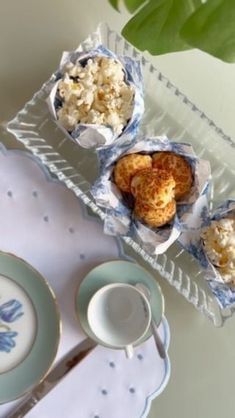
x=153, y=187
x=155, y=217
x=180, y=169
x=127, y=167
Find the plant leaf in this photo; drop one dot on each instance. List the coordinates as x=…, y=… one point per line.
x=133, y=5
x=212, y=29
x=114, y=3
x=156, y=26
x=197, y=3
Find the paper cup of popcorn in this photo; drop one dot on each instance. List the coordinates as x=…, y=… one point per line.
x=146, y=187
x=213, y=245
x=97, y=96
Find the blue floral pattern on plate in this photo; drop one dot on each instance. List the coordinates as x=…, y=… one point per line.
x=119, y=220
x=91, y=135
x=9, y=312
x=7, y=341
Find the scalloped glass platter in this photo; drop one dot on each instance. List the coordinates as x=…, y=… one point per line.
x=169, y=112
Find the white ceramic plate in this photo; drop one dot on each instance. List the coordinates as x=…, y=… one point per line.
x=29, y=327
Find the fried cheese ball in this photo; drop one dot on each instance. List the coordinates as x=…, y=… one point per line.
x=127, y=167
x=178, y=167
x=155, y=188
x=155, y=217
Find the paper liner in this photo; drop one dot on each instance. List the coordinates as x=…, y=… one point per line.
x=91, y=135
x=191, y=240
x=120, y=220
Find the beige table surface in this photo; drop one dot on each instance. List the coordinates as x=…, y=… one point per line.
x=32, y=36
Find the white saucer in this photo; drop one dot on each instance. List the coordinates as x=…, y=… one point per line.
x=118, y=271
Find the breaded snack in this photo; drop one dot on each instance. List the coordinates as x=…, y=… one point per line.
x=127, y=167
x=178, y=167
x=154, y=187
x=155, y=217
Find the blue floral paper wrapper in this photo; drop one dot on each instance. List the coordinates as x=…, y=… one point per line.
x=119, y=219
x=190, y=239
x=91, y=135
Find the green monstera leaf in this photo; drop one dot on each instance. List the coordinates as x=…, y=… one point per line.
x=133, y=5
x=162, y=26
x=157, y=25
x=212, y=29
x=114, y=3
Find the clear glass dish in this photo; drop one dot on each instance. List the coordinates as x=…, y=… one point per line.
x=169, y=112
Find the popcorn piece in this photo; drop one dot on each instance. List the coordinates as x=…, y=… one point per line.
x=219, y=244
x=155, y=217
x=109, y=72
x=68, y=118
x=154, y=187
x=95, y=94
x=178, y=167
x=127, y=167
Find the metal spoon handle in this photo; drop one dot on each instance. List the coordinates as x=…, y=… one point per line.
x=158, y=341
x=159, y=344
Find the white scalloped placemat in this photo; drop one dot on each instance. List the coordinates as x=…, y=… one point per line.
x=44, y=223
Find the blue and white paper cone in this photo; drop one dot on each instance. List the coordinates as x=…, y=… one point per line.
x=119, y=219
x=91, y=135
x=191, y=240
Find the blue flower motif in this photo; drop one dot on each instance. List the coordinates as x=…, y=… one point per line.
x=223, y=293
x=180, y=148
x=11, y=311
x=204, y=215
x=228, y=207
x=7, y=341
x=197, y=251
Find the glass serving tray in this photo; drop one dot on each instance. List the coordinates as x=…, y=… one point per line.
x=169, y=112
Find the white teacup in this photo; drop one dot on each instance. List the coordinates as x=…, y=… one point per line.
x=119, y=315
